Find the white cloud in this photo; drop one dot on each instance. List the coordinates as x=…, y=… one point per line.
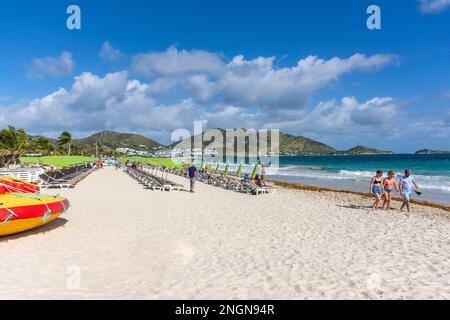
x=173, y=62
x=433, y=6
x=94, y=103
x=381, y=122
x=257, y=81
x=349, y=116
x=346, y=117
x=206, y=77
x=199, y=87
x=235, y=93
x=51, y=66
x=109, y=53
x=115, y=102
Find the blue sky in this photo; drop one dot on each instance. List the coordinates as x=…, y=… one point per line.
x=153, y=66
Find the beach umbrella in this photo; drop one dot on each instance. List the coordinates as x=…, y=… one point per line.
x=217, y=168
x=226, y=169
x=238, y=173
x=255, y=171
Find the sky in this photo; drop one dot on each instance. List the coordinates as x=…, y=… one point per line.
x=309, y=68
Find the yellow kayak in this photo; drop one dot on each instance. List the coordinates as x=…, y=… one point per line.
x=22, y=210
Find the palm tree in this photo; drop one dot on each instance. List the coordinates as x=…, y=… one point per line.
x=65, y=139
x=13, y=142
x=42, y=144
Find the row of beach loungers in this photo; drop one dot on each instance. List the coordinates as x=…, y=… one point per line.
x=226, y=182
x=64, y=178
x=229, y=183
x=154, y=178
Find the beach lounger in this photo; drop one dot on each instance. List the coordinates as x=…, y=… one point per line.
x=250, y=187
x=149, y=176
x=223, y=182
x=235, y=185
x=48, y=182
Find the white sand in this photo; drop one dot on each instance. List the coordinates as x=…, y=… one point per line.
x=128, y=242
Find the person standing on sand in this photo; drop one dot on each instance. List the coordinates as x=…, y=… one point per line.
x=406, y=185
x=192, y=171
x=376, y=188
x=389, y=184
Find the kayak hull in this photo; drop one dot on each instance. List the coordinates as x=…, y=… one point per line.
x=21, y=212
x=11, y=184
x=22, y=225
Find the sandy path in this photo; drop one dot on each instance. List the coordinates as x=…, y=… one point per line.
x=123, y=241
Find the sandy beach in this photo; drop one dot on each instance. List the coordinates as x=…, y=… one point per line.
x=122, y=241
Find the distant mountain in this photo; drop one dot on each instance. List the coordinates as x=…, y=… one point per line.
x=364, y=150
x=115, y=140
x=430, y=151
x=294, y=145
x=109, y=141
x=290, y=144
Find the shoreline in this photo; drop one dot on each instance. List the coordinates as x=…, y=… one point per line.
x=299, y=186
x=306, y=187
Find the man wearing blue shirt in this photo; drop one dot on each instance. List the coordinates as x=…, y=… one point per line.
x=406, y=185
x=192, y=170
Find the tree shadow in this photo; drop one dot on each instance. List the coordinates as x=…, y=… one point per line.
x=57, y=223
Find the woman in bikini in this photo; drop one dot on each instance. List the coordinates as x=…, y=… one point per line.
x=388, y=187
x=376, y=188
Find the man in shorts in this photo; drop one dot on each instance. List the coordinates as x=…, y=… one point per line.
x=406, y=185
x=192, y=170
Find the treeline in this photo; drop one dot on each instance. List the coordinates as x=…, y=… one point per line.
x=15, y=143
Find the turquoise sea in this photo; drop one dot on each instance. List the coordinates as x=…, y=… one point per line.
x=432, y=172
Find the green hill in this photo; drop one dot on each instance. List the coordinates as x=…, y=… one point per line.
x=108, y=141
x=115, y=140
x=294, y=145
x=290, y=144
x=364, y=150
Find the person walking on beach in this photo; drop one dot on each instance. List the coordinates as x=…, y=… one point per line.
x=192, y=171
x=389, y=184
x=376, y=188
x=406, y=185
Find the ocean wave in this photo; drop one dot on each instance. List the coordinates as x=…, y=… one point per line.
x=426, y=182
x=299, y=172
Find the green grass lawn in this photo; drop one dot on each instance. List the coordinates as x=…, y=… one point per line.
x=57, y=161
x=66, y=161
x=153, y=161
